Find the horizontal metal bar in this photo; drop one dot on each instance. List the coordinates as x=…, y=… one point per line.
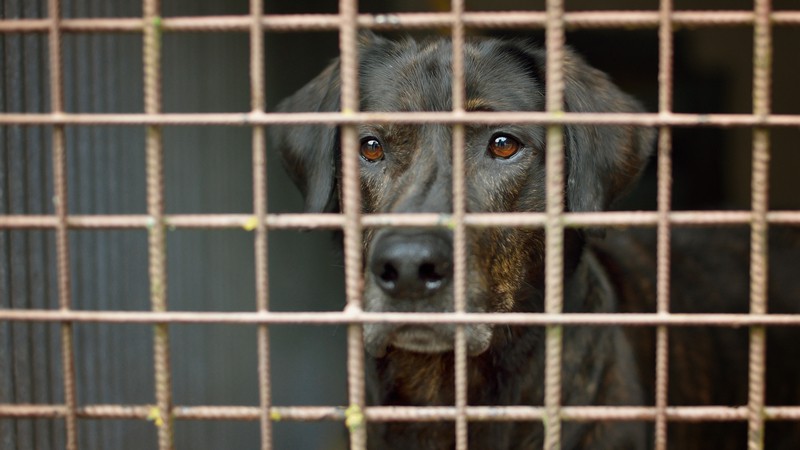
x=330, y=22
x=443, y=117
x=347, y=317
x=335, y=221
x=404, y=413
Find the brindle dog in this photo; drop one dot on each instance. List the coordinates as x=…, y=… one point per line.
x=408, y=168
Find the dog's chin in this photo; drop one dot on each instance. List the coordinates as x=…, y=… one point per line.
x=420, y=340
x=428, y=340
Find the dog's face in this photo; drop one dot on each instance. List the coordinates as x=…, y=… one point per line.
x=407, y=168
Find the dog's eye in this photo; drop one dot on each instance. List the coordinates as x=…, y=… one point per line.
x=503, y=146
x=371, y=149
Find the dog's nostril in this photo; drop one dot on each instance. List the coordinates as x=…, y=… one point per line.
x=430, y=276
x=389, y=275
x=428, y=271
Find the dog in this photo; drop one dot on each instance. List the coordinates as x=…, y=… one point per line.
x=407, y=168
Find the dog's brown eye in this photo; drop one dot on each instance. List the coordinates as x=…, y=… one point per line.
x=503, y=146
x=371, y=149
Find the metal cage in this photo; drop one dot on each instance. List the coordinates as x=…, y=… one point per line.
x=553, y=20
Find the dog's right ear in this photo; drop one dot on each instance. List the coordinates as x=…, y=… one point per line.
x=309, y=151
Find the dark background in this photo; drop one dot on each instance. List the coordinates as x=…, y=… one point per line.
x=208, y=170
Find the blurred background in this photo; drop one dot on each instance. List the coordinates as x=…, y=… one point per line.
x=208, y=170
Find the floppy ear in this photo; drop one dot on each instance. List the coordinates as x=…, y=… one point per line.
x=309, y=151
x=602, y=161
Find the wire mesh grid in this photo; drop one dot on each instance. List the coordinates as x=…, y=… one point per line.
x=554, y=20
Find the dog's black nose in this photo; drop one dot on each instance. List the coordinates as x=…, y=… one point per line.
x=408, y=265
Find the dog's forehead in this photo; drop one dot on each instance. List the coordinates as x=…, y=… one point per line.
x=418, y=77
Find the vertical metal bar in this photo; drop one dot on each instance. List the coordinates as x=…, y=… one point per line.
x=257, y=95
x=157, y=232
x=664, y=204
x=762, y=78
x=554, y=256
x=351, y=199
x=62, y=232
x=459, y=231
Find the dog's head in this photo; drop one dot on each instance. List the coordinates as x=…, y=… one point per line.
x=408, y=168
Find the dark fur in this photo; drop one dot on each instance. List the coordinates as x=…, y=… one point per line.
x=414, y=365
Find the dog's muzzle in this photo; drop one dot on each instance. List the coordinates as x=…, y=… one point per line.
x=412, y=271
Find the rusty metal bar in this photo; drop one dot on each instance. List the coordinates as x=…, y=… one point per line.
x=351, y=206
x=157, y=246
x=335, y=221
x=340, y=118
x=258, y=104
x=762, y=79
x=554, y=227
x=406, y=413
x=61, y=228
x=459, y=93
x=588, y=319
x=346, y=317
x=665, y=54
x=400, y=21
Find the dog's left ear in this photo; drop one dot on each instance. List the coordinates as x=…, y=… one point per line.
x=603, y=161
x=310, y=152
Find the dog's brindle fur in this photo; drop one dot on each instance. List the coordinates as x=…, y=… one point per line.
x=413, y=365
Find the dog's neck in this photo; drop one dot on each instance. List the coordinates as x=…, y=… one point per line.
x=419, y=379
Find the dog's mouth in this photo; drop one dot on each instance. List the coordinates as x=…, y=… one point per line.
x=413, y=338
x=423, y=339
x=420, y=339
